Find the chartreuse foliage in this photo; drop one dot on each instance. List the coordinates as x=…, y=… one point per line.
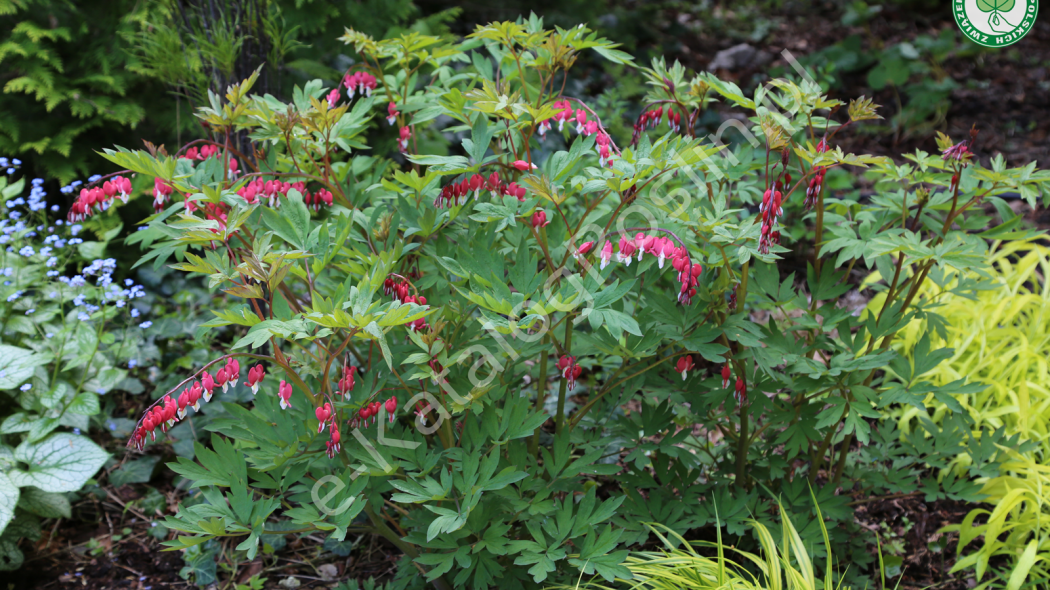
x=784, y=563
x=1016, y=528
x=999, y=338
x=492, y=317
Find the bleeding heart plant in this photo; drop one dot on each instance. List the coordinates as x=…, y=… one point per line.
x=361, y=277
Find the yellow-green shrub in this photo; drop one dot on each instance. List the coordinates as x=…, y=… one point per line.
x=1018, y=527
x=783, y=566
x=1001, y=340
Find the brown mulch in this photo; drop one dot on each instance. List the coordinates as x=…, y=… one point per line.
x=928, y=553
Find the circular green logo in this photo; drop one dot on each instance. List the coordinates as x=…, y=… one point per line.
x=995, y=23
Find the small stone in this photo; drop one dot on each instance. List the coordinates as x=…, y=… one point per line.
x=290, y=582
x=737, y=57
x=328, y=572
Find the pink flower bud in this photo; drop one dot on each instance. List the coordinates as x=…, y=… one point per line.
x=323, y=414
x=685, y=364
x=539, y=219
x=405, y=133
x=221, y=381
x=255, y=377
x=208, y=384
x=183, y=402
x=627, y=250
x=606, y=254
x=284, y=392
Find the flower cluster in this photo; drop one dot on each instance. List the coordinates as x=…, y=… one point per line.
x=361, y=82
x=346, y=383
x=739, y=390
x=202, y=153
x=959, y=152
x=273, y=191
x=211, y=151
x=651, y=118
x=11, y=165
x=399, y=290
x=564, y=114
x=369, y=412
x=170, y=410
x=40, y=243
x=332, y=447
x=453, y=192
x=661, y=247
x=99, y=198
x=584, y=126
x=569, y=370
x=815, y=183
x=771, y=209
x=216, y=212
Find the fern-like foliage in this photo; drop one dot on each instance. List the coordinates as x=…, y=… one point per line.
x=65, y=85
x=75, y=76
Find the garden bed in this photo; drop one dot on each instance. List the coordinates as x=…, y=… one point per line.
x=110, y=540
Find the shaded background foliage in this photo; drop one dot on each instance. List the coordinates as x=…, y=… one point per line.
x=76, y=75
